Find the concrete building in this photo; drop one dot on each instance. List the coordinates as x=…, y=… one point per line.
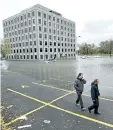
x=39, y=33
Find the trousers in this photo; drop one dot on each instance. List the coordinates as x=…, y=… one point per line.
x=95, y=106
x=79, y=99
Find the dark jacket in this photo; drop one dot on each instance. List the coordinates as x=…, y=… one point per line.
x=79, y=85
x=94, y=92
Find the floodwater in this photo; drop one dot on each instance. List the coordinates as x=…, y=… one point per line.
x=67, y=70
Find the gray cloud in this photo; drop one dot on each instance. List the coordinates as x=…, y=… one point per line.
x=98, y=27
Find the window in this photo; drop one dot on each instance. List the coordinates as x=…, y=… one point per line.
x=29, y=22
x=71, y=50
x=40, y=42
x=58, y=32
x=40, y=35
x=21, y=17
x=49, y=17
x=28, y=15
x=41, y=56
x=54, y=31
x=39, y=21
x=27, y=56
x=17, y=51
x=14, y=51
x=62, y=44
x=49, y=36
x=54, y=49
x=49, y=23
x=30, y=36
x=74, y=50
x=49, y=30
x=30, y=43
x=44, y=15
x=50, y=49
x=54, y=37
x=23, y=50
x=34, y=42
x=26, y=37
x=54, y=43
x=34, y=35
x=45, y=43
x=62, y=27
x=27, y=50
x=25, y=16
x=29, y=29
x=31, y=49
x=25, y=30
x=26, y=43
x=45, y=36
x=53, y=18
x=44, y=22
x=58, y=49
x=40, y=28
x=33, y=13
x=45, y=29
x=40, y=49
x=35, y=56
x=57, y=20
x=46, y=56
x=58, y=38
x=65, y=44
x=61, y=33
x=33, y=21
x=23, y=43
x=33, y=28
x=39, y=14
x=45, y=49
x=58, y=44
x=65, y=50
x=50, y=43
x=62, y=38
x=20, y=51
x=31, y=56
x=35, y=49
x=62, y=50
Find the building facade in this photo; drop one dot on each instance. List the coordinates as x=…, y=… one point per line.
x=39, y=33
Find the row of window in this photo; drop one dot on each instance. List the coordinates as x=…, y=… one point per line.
x=44, y=15
x=35, y=56
x=45, y=23
x=40, y=42
x=42, y=50
x=52, y=31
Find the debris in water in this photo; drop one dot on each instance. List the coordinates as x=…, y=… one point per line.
x=44, y=81
x=47, y=121
x=10, y=106
x=24, y=126
x=23, y=118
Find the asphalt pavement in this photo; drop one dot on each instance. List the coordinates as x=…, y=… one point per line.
x=44, y=96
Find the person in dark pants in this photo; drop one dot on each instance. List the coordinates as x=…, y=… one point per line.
x=94, y=95
x=79, y=86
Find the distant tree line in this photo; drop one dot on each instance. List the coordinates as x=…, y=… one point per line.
x=105, y=47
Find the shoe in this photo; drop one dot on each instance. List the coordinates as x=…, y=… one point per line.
x=83, y=109
x=89, y=110
x=96, y=113
x=77, y=104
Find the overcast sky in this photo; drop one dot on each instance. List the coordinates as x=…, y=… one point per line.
x=94, y=18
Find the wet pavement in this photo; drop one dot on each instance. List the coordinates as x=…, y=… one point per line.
x=44, y=94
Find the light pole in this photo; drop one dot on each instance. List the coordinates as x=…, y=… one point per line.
x=76, y=45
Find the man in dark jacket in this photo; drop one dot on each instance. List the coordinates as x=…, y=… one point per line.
x=94, y=95
x=79, y=86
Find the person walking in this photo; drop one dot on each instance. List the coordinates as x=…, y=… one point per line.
x=79, y=86
x=95, y=97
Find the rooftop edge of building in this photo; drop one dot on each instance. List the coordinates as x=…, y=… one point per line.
x=36, y=7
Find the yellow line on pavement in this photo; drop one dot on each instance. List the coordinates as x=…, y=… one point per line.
x=58, y=108
x=39, y=101
x=66, y=90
